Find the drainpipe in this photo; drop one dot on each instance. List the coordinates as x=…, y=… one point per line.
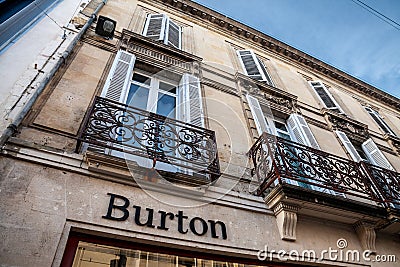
x=12, y=128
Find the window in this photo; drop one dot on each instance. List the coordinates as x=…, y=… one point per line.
x=295, y=126
x=296, y=129
x=367, y=151
x=112, y=253
x=153, y=94
x=282, y=129
x=180, y=100
x=253, y=66
x=160, y=27
x=325, y=97
x=379, y=120
x=139, y=130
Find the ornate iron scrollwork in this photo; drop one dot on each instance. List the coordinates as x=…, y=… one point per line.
x=280, y=161
x=120, y=127
x=388, y=183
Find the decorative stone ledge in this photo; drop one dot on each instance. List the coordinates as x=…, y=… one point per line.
x=277, y=98
x=236, y=29
x=155, y=52
x=354, y=129
x=366, y=235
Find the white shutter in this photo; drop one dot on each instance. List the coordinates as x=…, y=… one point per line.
x=379, y=120
x=251, y=65
x=155, y=26
x=173, y=35
x=264, y=70
x=190, y=101
x=349, y=146
x=258, y=116
x=325, y=97
x=117, y=83
x=301, y=132
x=375, y=156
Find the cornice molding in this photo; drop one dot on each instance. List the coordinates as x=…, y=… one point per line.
x=157, y=53
x=219, y=86
x=240, y=30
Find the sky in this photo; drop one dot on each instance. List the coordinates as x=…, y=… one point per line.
x=338, y=32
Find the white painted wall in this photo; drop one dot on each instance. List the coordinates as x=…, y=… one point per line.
x=35, y=45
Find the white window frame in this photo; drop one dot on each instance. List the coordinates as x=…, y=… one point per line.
x=348, y=145
x=277, y=130
x=337, y=106
x=154, y=89
x=261, y=69
x=375, y=113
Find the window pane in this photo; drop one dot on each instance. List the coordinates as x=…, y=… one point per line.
x=250, y=65
x=280, y=126
x=166, y=105
x=141, y=78
x=95, y=255
x=284, y=136
x=361, y=152
x=325, y=97
x=138, y=96
x=167, y=87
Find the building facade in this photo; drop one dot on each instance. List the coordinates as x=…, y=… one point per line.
x=190, y=139
x=35, y=37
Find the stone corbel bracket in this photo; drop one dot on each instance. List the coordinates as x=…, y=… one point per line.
x=366, y=234
x=354, y=130
x=285, y=214
x=394, y=142
x=286, y=219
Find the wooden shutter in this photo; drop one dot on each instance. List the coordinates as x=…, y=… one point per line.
x=258, y=115
x=349, y=146
x=117, y=83
x=173, y=35
x=375, y=156
x=301, y=132
x=155, y=26
x=190, y=106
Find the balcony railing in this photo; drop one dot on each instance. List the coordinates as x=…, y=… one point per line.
x=114, y=127
x=387, y=181
x=279, y=161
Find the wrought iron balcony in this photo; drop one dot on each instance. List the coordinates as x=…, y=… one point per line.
x=387, y=181
x=279, y=161
x=114, y=127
